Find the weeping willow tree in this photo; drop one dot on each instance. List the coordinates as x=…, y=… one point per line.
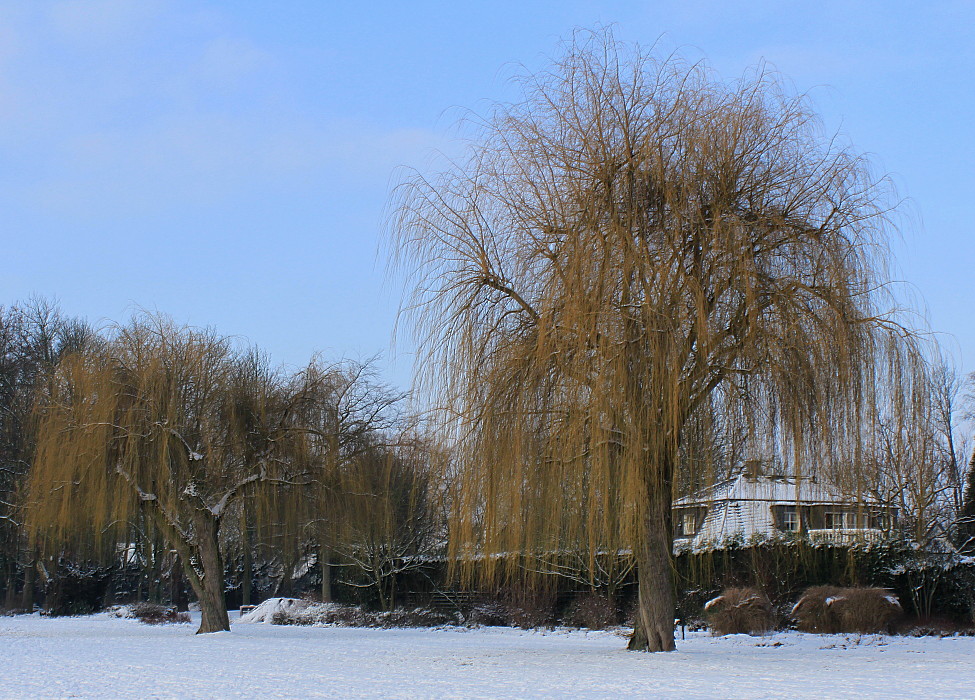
x=173, y=424
x=634, y=243
x=385, y=511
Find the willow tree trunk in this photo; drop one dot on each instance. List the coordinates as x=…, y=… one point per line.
x=209, y=585
x=653, y=628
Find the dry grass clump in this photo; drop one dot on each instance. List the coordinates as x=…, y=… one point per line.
x=739, y=611
x=812, y=613
x=591, y=611
x=833, y=610
x=152, y=614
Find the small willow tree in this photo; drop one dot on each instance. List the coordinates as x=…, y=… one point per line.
x=633, y=243
x=175, y=423
x=385, y=511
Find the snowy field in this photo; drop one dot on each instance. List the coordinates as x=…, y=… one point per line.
x=105, y=657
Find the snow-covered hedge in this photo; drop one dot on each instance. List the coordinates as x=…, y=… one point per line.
x=294, y=611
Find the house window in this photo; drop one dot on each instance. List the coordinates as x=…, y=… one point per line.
x=839, y=520
x=880, y=520
x=688, y=523
x=790, y=519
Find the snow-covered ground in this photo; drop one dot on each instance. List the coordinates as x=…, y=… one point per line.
x=105, y=657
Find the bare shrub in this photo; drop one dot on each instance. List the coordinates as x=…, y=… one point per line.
x=591, y=611
x=489, y=612
x=832, y=610
x=418, y=617
x=514, y=608
x=152, y=614
x=531, y=609
x=739, y=611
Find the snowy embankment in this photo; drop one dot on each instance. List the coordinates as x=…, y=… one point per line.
x=105, y=657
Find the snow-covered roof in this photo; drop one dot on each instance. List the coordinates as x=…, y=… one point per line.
x=772, y=489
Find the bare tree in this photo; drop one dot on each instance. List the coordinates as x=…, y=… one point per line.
x=386, y=515
x=915, y=450
x=954, y=443
x=350, y=410
x=965, y=515
x=634, y=240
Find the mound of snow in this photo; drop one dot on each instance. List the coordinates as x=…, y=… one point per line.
x=266, y=611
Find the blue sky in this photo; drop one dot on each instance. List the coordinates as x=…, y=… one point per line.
x=229, y=162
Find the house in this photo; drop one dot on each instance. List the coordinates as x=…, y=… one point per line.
x=754, y=505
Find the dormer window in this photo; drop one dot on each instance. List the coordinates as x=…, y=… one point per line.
x=787, y=518
x=687, y=521
x=790, y=520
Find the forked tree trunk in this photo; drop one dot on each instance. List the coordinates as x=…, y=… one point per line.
x=209, y=587
x=202, y=563
x=654, y=625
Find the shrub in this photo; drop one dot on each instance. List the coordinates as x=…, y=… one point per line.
x=76, y=589
x=739, y=611
x=152, y=614
x=591, y=611
x=530, y=610
x=489, y=613
x=830, y=610
x=812, y=613
x=516, y=608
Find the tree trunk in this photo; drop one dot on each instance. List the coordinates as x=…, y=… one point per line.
x=8, y=602
x=326, y=575
x=654, y=626
x=247, y=577
x=178, y=587
x=209, y=586
x=203, y=548
x=27, y=599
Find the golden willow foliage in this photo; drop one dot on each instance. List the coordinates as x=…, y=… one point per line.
x=175, y=425
x=633, y=245
x=386, y=511
x=162, y=414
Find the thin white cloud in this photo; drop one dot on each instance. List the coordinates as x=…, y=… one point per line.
x=199, y=160
x=99, y=21
x=207, y=122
